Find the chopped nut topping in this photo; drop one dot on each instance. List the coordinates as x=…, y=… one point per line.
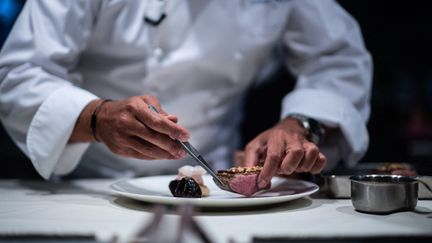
x=241, y=170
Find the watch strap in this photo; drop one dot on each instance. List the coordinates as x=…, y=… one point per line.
x=315, y=132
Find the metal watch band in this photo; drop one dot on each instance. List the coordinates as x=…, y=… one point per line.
x=314, y=131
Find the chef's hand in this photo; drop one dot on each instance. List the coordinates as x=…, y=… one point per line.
x=284, y=150
x=130, y=128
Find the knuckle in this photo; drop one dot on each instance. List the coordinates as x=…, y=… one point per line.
x=323, y=160
x=251, y=146
x=279, y=133
x=297, y=152
x=322, y=156
x=313, y=150
x=130, y=106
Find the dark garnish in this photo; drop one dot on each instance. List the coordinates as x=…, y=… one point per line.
x=186, y=187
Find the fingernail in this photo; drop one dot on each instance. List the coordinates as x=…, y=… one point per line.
x=262, y=184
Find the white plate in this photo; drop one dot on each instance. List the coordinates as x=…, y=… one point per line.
x=155, y=189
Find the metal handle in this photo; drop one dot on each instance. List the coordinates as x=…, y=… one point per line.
x=195, y=155
x=424, y=183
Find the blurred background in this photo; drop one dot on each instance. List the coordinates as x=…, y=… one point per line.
x=399, y=36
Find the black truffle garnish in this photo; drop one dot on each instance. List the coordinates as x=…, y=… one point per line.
x=186, y=187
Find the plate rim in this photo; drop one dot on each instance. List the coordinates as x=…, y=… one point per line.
x=209, y=202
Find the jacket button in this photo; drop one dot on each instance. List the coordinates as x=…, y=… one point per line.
x=158, y=53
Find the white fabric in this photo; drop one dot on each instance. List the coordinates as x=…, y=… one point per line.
x=198, y=62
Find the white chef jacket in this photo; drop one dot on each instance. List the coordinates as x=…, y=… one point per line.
x=198, y=62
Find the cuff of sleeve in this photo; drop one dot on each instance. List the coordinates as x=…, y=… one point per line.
x=332, y=110
x=51, y=128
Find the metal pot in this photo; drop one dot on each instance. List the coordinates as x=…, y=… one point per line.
x=383, y=194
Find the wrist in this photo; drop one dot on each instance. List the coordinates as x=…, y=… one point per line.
x=292, y=125
x=82, y=131
x=313, y=130
x=93, y=118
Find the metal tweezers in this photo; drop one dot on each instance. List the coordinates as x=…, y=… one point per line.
x=200, y=159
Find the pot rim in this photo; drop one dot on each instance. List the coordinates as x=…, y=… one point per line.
x=383, y=179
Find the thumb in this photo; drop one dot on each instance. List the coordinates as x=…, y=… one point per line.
x=172, y=118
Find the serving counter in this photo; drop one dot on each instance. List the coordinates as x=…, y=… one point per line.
x=89, y=211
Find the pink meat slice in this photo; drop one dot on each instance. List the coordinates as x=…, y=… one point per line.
x=244, y=184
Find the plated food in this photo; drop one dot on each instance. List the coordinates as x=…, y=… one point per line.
x=189, y=182
x=243, y=180
x=394, y=169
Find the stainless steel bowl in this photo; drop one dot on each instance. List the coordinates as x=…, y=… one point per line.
x=383, y=194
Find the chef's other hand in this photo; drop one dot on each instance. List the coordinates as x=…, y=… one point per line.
x=128, y=127
x=284, y=150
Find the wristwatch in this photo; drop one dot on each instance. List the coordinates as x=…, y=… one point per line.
x=315, y=132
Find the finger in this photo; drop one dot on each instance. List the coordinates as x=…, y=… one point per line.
x=147, y=149
x=170, y=117
x=157, y=122
x=275, y=154
x=254, y=152
x=293, y=156
x=125, y=151
x=151, y=100
x=319, y=164
x=239, y=158
x=161, y=124
x=157, y=139
x=310, y=156
x=131, y=153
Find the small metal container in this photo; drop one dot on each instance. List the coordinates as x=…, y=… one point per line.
x=383, y=194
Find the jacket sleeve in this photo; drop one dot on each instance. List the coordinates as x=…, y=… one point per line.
x=40, y=94
x=326, y=54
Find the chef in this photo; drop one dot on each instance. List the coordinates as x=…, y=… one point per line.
x=77, y=79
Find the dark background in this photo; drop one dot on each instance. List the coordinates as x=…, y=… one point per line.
x=399, y=36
